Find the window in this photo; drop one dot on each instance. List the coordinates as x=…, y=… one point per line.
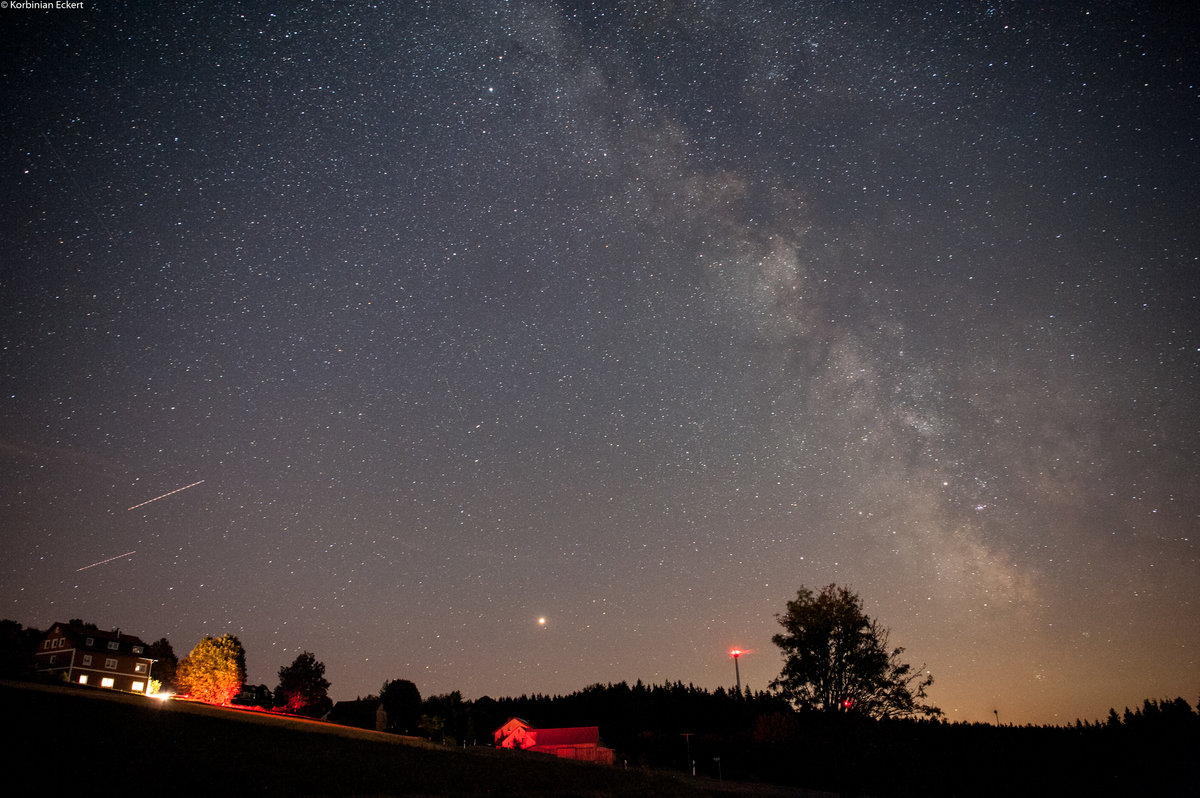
x=139, y=668
x=87, y=659
x=112, y=645
x=91, y=641
x=137, y=649
x=111, y=663
x=107, y=681
x=52, y=659
x=138, y=687
x=83, y=678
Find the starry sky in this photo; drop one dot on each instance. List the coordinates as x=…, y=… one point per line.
x=632, y=316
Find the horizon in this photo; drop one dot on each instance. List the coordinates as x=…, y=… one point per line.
x=996, y=717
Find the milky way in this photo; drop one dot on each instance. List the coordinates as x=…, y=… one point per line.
x=629, y=317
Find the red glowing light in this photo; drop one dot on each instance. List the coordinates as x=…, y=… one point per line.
x=735, y=653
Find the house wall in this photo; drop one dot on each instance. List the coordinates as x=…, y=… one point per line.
x=578, y=743
x=581, y=753
x=85, y=657
x=513, y=734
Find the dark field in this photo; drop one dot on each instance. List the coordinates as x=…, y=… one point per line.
x=112, y=743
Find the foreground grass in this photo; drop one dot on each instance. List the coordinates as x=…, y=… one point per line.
x=117, y=742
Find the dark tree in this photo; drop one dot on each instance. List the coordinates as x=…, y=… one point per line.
x=303, y=688
x=445, y=719
x=17, y=646
x=165, y=663
x=255, y=695
x=402, y=703
x=837, y=660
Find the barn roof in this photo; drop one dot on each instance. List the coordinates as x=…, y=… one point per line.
x=577, y=735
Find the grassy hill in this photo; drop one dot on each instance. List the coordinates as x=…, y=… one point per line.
x=112, y=742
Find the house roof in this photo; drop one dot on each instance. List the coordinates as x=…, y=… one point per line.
x=361, y=711
x=517, y=721
x=78, y=635
x=577, y=735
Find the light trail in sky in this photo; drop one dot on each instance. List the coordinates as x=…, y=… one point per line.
x=110, y=559
x=165, y=495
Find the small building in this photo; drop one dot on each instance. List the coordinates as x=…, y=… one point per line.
x=365, y=713
x=97, y=658
x=578, y=742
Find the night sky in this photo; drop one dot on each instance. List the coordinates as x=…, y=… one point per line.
x=635, y=317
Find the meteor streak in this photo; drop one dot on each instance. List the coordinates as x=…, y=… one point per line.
x=165, y=495
x=110, y=559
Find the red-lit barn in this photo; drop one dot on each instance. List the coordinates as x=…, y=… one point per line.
x=579, y=742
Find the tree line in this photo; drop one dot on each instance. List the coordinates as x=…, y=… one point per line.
x=846, y=714
x=837, y=659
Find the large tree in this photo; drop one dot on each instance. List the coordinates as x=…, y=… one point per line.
x=165, y=664
x=303, y=688
x=402, y=703
x=17, y=647
x=837, y=660
x=215, y=670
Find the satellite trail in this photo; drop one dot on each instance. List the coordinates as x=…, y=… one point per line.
x=110, y=559
x=156, y=498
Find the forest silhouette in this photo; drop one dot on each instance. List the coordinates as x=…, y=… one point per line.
x=761, y=737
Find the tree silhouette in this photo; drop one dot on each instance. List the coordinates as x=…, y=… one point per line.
x=837, y=660
x=165, y=663
x=303, y=688
x=402, y=703
x=17, y=646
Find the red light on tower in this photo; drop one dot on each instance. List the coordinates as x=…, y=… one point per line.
x=737, y=653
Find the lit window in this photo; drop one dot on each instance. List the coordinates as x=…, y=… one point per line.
x=87, y=659
x=138, y=687
x=83, y=678
x=111, y=663
x=137, y=649
x=139, y=668
x=107, y=681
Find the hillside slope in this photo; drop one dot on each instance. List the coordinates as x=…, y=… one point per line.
x=116, y=741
